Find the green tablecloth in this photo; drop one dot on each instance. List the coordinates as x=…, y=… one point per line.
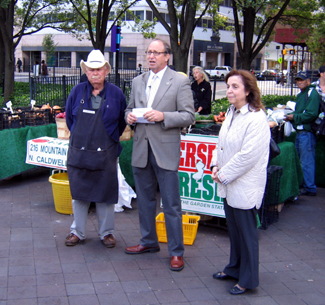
x=125, y=161
x=13, y=144
x=13, y=147
x=292, y=176
x=13, y=154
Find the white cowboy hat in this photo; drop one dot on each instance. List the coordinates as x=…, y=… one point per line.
x=95, y=60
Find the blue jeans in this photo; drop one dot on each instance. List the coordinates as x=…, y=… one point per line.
x=305, y=145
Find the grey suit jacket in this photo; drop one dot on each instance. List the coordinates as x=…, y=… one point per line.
x=173, y=98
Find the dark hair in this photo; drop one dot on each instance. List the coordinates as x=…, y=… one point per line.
x=167, y=48
x=250, y=84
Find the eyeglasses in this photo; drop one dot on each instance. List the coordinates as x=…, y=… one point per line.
x=155, y=53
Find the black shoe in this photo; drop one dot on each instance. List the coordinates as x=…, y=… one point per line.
x=303, y=192
x=236, y=290
x=220, y=276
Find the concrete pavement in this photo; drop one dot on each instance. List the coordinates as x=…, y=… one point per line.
x=37, y=268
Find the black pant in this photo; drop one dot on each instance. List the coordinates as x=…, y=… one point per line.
x=243, y=262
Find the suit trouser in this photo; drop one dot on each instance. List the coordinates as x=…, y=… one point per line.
x=146, y=189
x=244, y=259
x=105, y=216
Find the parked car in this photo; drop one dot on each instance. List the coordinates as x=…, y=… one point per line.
x=267, y=75
x=218, y=72
x=283, y=75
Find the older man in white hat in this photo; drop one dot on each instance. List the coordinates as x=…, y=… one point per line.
x=95, y=117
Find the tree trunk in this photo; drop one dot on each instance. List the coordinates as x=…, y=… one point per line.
x=6, y=30
x=180, y=58
x=246, y=61
x=2, y=61
x=9, y=72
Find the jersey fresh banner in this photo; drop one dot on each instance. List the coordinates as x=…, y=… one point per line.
x=198, y=190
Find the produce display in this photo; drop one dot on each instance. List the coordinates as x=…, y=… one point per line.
x=28, y=116
x=221, y=117
x=60, y=115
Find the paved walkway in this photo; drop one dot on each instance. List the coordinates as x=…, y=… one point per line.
x=36, y=267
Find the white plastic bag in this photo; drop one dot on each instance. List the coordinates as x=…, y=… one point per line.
x=125, y=193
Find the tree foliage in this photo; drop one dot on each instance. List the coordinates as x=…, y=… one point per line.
x=184, y=16
x=314, y=36
x=259, y=18
x=25, y=18
x=96, y=24
x=49, y=47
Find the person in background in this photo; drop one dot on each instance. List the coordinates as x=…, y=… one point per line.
x=95, y=117
x=19, y=64
x=201, y=89
x=140, y=70
x=45, y=73
x=36, y=69
x=306, y=111
x=320, y=83
x=239, y=166
x=156, y=149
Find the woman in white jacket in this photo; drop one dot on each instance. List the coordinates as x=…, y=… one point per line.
x=239, y=166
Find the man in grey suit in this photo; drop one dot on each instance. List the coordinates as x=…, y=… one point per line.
x=165, y=99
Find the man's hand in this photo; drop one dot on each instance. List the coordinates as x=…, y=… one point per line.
x=289, y=117
x=131, y=118
x=154, y=116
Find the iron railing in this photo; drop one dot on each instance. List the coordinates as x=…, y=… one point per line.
x=55, y=90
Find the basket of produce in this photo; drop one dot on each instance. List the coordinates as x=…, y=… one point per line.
x=35, y=117
x=13, y=119
x=61, y=126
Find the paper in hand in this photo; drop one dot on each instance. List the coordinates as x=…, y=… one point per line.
x=139, y=112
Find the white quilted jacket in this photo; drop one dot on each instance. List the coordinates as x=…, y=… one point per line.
x=242, y=155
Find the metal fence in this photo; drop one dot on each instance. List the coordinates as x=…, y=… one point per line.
x=267, y=87
x=55, y=90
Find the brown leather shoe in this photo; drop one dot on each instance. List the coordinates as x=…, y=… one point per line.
x=72, y=240
x=109, y=241
x=141, y=249
x=176, y=263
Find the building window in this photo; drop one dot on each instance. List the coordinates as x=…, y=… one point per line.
x=127, y=60
x=163, y=15
x=62, y=59
x=149, y=15
x=81, y=56
x=226, y=3
x=129, y=16
x=139, y=14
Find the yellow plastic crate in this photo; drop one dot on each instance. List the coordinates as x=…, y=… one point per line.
x=190, y=225
x=61, y=193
